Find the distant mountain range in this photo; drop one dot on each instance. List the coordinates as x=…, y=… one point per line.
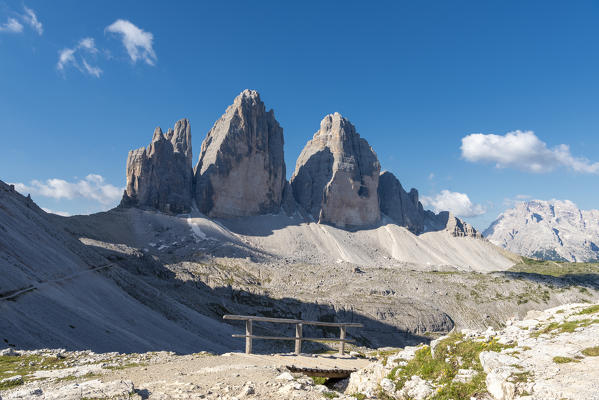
x=551, y=230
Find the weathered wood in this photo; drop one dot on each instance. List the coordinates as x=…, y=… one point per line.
x=342, y=343
x=292, y=338
x=292, y=321
x=298, y=339
x=325, y=373
x=248, y=336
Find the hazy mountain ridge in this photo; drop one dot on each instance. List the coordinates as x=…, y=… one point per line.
x=552, y=230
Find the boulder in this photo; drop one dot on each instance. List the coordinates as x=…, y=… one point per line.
x=337, y=175
x=241, y=169
x=160, y=176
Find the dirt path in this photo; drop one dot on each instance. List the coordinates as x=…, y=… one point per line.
x=229, y=375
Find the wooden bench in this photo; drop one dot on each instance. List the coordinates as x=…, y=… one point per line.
x=299, y=338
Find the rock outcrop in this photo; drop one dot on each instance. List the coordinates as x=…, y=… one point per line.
x=406, y=210
x=241, y=169
x=402, y=207
x=160, y=175
x=336, y=176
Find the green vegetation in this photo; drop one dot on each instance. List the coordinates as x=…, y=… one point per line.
x=12, y=383
x=567, y=326
x=330, y=395
x=555, y=269
x=359, y=396
x=450, y=354
x=319, y=380
x=521, y=376
x=589, y=310
x=25, y=365
x=563, y=360
x=591, y=351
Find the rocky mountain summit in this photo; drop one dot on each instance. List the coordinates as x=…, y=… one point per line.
x=159, y=176
x=241, y=172
x=337, y=174
x=552, y=230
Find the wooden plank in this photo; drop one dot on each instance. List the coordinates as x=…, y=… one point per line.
x=292, y=321
x=292, y=338
x=325, y=373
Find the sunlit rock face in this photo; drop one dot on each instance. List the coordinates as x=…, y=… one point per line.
x=160, y=176
x=241, y=169
x=337, y=175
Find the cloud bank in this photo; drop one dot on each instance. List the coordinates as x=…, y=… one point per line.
x=523, y=151
x=77, y=57
x=92, y=187
x=457, y=203
x=12, y=25
x=137, y=41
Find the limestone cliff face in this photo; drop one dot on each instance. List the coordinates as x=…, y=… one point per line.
x=405, y=210
x=337, y=175
x=241, y=169
x=160, y=176
x=402, y=207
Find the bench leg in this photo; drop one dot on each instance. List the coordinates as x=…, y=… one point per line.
x=248, y=336
x=298, y=339
x=342, y=343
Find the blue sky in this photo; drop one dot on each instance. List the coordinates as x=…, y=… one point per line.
x=415, y=78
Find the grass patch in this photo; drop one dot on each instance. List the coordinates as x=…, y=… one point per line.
x=27, y=364
x=330, y=395
x=563, y=360
x=451, y=354
x=591, y=351
x=556, y=269
x=359, y=396
x=11, y=384
x=567, y=326
x=521, y=376
x=589, y=310
x=319, y=380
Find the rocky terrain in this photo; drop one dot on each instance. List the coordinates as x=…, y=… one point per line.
x=549, y=230
x=549, y=355
x=339, y=242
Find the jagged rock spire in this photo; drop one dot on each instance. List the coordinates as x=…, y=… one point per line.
x=336, y=176
x=241, y=168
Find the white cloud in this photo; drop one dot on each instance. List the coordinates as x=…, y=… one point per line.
x=76, y=57
x=31, y=19
x=61, y=213
x=458, y=203
x=524, y=151
x=11, y=26
x=93, y=187
x=137, y=41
